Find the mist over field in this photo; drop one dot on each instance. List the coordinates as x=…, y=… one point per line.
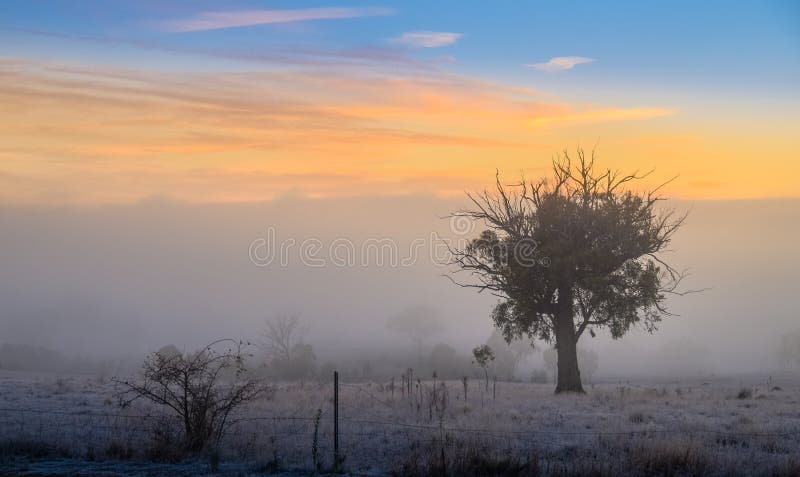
x=261, y=238
x=118, y=281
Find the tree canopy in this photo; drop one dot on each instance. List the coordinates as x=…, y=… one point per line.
x=582, y=244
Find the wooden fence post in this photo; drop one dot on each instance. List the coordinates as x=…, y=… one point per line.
x=336, y=461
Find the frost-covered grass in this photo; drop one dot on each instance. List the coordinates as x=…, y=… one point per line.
x=688, y=427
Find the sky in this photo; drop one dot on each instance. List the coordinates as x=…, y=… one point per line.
x=113, y=102
x=145, y=145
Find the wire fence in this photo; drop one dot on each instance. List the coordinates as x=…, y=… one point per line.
x=313, y=437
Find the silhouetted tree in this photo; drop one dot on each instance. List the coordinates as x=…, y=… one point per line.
x=169, y=351
x=202, y=388
x=280, y=336
x=300, y=365
x=446, y=362
x=580, y=245
x=288, y=357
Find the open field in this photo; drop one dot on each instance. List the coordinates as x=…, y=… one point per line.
x=723, y=426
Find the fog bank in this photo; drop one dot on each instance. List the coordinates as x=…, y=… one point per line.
x=122, y=280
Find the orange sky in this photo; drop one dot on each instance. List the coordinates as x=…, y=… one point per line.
x=92, y=133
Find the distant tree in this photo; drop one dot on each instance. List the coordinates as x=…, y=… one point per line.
x=418, y=322
x=483, y=356
x=169, y=351
x=580, y=245
x=23, y=357
x=508, y=355
x=202, y=389
x=288, y=356
x=446, y=362
x=280, y=336
x=326, y=371
x=443, y=353
x=301, y=363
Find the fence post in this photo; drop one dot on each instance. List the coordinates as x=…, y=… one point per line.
x=336, y=421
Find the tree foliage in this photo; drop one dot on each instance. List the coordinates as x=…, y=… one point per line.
x=483, y=357
x=582, y=244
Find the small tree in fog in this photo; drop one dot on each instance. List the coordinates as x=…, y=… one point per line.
x=289, y=358
x=280, y=336
x=444, y=360
x=202, y=389
x=418, y=322
x=169, y=351
x=580, y=245
x=483, y=356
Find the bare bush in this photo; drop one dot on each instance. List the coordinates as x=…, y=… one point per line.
x=201, y=389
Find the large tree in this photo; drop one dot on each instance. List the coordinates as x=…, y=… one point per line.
x=575, y=252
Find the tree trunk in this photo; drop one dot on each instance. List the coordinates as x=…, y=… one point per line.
x=569, y=376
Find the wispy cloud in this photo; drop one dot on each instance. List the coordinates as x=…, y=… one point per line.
x=117, y=134
x=356, y=57
x=427, y=39
x=560, y=63
x=243, y=18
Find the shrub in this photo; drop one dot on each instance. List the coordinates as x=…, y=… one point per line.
x=745, y=393
x=200, y=389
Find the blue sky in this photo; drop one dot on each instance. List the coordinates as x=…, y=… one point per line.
x=672, y=45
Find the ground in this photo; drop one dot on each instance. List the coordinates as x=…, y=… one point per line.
x=748, y=425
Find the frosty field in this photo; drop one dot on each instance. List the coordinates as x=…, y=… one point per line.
x=63, y=425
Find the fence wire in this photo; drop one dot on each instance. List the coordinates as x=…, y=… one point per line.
x=305, y=440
